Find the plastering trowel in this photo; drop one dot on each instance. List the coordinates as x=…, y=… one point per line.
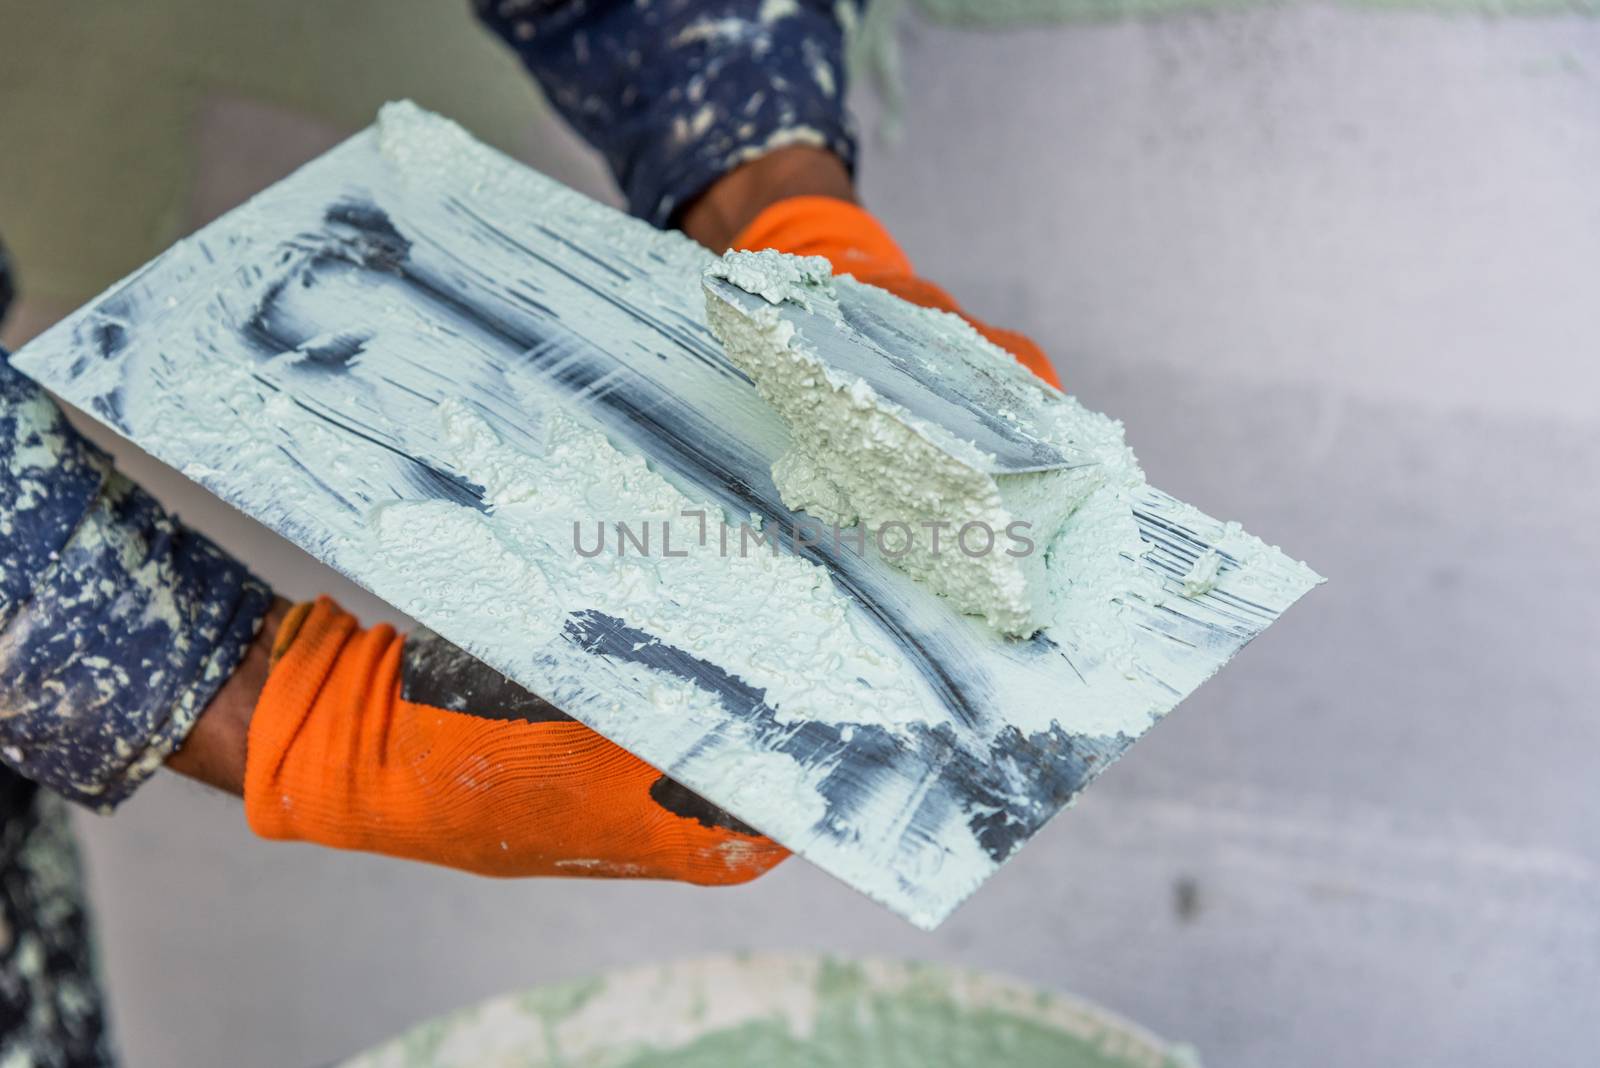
x=499, y=406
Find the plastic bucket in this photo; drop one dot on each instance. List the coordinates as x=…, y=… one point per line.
x=778, y=1012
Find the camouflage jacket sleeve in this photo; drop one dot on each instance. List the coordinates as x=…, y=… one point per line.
x=676, y=93
x=117, y=622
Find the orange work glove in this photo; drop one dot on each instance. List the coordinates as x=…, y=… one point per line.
x=350, y=746
x=848, y=237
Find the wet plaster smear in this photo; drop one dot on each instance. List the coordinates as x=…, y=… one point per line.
x=425, y=364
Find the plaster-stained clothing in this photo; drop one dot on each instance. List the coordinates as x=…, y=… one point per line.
x=117, y=623
x=676, y=93
x=51, y=1014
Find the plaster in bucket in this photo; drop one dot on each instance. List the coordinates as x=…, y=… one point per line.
x=777, y=1012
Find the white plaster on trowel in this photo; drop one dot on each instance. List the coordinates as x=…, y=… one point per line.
x=1202, y=577
x=976, y=538
x=790, y=628
x=1088, y=583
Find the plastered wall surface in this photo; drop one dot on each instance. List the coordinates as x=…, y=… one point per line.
x=1335, y=269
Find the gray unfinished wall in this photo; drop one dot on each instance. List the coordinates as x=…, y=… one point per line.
x=1338, y=272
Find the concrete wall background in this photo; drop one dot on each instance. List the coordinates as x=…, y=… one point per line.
x=1337, y=271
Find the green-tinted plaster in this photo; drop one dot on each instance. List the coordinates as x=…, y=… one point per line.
x=791, y=1012
x=919, y=1026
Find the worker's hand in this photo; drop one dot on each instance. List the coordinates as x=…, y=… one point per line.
x=848, y=237
x=369, y=740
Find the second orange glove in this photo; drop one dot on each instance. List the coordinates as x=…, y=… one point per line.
x=351, y=746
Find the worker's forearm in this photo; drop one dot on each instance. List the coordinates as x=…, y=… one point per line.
x=214, y=752
x=118, y=624
x=734, y=200
x=677, y=96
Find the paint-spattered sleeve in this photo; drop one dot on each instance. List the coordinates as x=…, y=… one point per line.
x=676, y=93
x=117, y=623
